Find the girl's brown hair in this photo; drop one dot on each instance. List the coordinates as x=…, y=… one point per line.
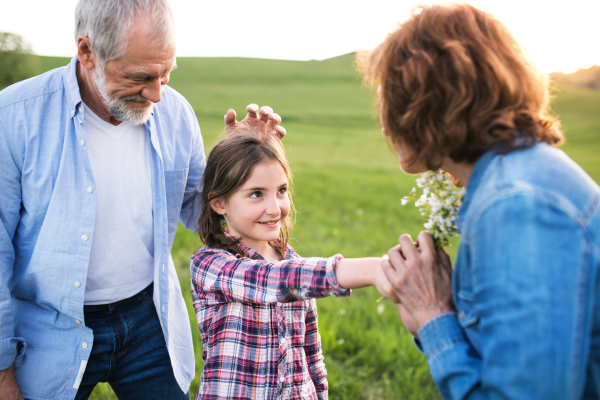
x=454, y=83
x=228, y=167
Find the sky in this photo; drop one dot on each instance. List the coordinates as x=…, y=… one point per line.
x=559, y=35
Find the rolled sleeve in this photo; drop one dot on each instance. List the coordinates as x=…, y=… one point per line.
x=12, y=351
x=337, y=290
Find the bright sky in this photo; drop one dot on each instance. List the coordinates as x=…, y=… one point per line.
x=560, y=35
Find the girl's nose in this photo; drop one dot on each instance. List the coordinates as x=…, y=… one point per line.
x=273, y=207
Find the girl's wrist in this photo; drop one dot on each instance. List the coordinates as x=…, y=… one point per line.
x=354, y=273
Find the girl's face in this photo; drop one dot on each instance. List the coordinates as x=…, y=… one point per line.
x=257, y=209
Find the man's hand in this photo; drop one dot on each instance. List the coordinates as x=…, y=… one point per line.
x=264, y=118
x=9, y=390
x=421, y=277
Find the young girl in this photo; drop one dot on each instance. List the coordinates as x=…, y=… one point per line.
x=253, y=295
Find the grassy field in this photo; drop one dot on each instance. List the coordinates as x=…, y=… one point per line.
x=347, y=188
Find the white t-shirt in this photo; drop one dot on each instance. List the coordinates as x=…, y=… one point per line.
x=122, y=255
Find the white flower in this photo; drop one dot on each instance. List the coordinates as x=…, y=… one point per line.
x=439, y=203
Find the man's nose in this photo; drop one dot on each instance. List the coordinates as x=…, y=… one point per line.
x=153, y=90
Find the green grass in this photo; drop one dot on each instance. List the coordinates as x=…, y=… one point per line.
x=347, y=187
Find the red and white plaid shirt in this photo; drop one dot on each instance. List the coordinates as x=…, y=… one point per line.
x=259, y=332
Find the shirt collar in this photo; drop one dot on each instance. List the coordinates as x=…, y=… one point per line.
x=73, y=94
x=255, y=255
x=70, y=81
x=474, y=181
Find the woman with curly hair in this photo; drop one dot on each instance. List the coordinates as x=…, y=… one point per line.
x=519, y=317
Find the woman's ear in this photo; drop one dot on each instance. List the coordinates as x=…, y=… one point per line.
x=218, y=206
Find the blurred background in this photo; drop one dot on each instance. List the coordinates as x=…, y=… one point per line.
x=298, y=59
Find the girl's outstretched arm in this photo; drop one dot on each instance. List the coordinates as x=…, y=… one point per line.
x=220, y=277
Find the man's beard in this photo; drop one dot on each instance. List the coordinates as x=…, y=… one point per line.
x=118, y=107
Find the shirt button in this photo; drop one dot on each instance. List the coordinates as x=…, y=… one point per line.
x=82, y=142
x=80, y=109
x=461, y=315
x=84, y=237
x=90, y=190
x=72, y=112
x=283, y=341
x=78, y=321
x=282, y=379
x=77, y=284
x=279, y=304
x=84, y=345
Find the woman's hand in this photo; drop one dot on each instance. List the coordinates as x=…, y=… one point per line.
x=421, y=278
x=265, y=117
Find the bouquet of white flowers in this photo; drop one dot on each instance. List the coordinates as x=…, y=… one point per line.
x=440, y=202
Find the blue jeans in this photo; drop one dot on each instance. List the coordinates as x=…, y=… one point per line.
x=129, y=351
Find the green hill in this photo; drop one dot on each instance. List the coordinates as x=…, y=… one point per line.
x=583, y=77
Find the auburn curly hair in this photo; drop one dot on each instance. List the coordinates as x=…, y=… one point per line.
x=454, y=82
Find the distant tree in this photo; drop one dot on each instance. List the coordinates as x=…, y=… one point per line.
x=17, y=62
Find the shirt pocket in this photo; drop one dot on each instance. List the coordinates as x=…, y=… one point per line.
x=175, y=181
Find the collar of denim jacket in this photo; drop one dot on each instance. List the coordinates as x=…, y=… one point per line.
x=474, y=181
x=70, y=82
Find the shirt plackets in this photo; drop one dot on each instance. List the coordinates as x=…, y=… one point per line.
x=84, y=238
x=282, y=365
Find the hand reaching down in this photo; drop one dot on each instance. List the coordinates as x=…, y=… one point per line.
x=264, y=118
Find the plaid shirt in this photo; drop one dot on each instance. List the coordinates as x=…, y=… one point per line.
x=259, y=333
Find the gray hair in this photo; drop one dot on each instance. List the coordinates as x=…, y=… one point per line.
x=107, y=23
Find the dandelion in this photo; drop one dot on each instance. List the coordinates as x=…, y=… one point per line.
x=341, y=341
x=439, y=203
x=380, y=308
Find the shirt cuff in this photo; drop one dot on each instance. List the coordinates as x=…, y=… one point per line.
x=12, y=351
x=440, y=334
x=332, y=263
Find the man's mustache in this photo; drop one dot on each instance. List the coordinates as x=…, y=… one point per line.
x=138, y=98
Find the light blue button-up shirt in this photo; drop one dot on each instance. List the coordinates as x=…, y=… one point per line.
x=526, y=284
x=47, y=217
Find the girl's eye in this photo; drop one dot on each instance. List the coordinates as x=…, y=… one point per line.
x=282, y=191
x=255, y=195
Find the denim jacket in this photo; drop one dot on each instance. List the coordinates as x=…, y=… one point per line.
x=525, y=284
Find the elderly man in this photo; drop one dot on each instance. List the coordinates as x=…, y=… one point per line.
x=99, y=160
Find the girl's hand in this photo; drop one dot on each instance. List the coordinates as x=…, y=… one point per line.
x=354, y=273
x=381, y=282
